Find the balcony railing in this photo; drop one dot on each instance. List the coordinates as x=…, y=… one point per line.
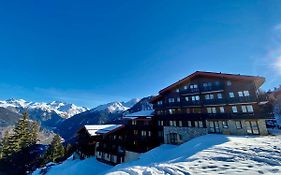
x=203, y=116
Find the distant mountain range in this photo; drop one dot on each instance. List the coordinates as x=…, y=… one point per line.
x=64, y=118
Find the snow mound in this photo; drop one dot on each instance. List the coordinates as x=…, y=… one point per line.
x=209, y=154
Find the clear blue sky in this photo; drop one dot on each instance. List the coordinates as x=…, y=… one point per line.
x=93, y=52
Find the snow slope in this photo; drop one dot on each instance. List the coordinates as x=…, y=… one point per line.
x=209, y=154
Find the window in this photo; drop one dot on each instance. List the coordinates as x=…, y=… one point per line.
x=173, y=123
x=135, y=132
x=186, y=98
x=180, y=123
x=224, y=124
x=177, y=90
x=238, y=124
x=162, y=123
x=231, y=94
x=209, y=96
x=178, y=99
x=200, y=124
x=134, y=122
x=246, y=93
x=160, y=133
x=189, y=123
x=143, y=133
x=160, y=102
x=172, y=111
x=195, y=98
x=196, y=110
x=234, y=109
x=244, y=109
x=222, y=109
x=185, y=87
x=250, y=108
x=240, y=94
x=188, y=110
x=193, y=86
x=217, y=83
x=196, y=124
x=219, y=96
x=149, y=133
x=171, y=100
x=212, y=110
x=228, y=83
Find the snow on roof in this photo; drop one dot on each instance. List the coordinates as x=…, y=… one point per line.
x=144, y=113
x=94, y=130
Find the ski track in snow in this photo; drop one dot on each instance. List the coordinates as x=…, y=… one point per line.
x=210, y=154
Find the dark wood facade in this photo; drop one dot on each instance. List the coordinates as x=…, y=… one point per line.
x=141, y=134
x=110, y=147
x=205, y=96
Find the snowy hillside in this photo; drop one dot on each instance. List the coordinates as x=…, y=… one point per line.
x=209, y=154
x=64, y=110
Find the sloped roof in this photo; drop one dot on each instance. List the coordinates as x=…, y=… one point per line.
x=257, y=79
x=94, y=130
x=143, y=113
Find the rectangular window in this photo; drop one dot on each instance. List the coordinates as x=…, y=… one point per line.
x=219, y=95
x=240, y=94
x=160, y=102
x=224, y=124
x=214, y=110
x=209, y=110
x=185, y=87
x=188, y=110
x=244, y=109
x=186, y=98
x=196, y=124
x=143, y=133
x=177, y=90
x=178, y=99
x=209, y=96
x=234, y=109
x=246, y=93
x=171, y=111
x=193, y=86
x=222, y=109
x=217, y=83
x=238, y=124
x=250, y=108
x=189, y=123
x=228, y=83
x=200, y=124
x=149, y=133
x=171, y=100
x=135, y=132
x=231, y=94
x=180, y=123
x=134, y=122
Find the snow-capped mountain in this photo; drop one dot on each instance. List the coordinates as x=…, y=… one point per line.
x=116, y=107
x=64, y=110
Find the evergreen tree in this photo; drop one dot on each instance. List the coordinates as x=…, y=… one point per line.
x=4, y=145
x=34, y=131
x=55, y=151
x=21, y=133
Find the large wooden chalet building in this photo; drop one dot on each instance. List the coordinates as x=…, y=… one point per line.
x=208, y=102
x=201, y=103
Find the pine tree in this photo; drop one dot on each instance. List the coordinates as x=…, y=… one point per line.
x=34, y=131
x=21, y=133
x=4, y=145
x=55, y=151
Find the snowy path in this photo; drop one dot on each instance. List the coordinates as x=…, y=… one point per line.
x=210, y=154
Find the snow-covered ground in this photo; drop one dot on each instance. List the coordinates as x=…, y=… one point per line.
x=209, y=154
